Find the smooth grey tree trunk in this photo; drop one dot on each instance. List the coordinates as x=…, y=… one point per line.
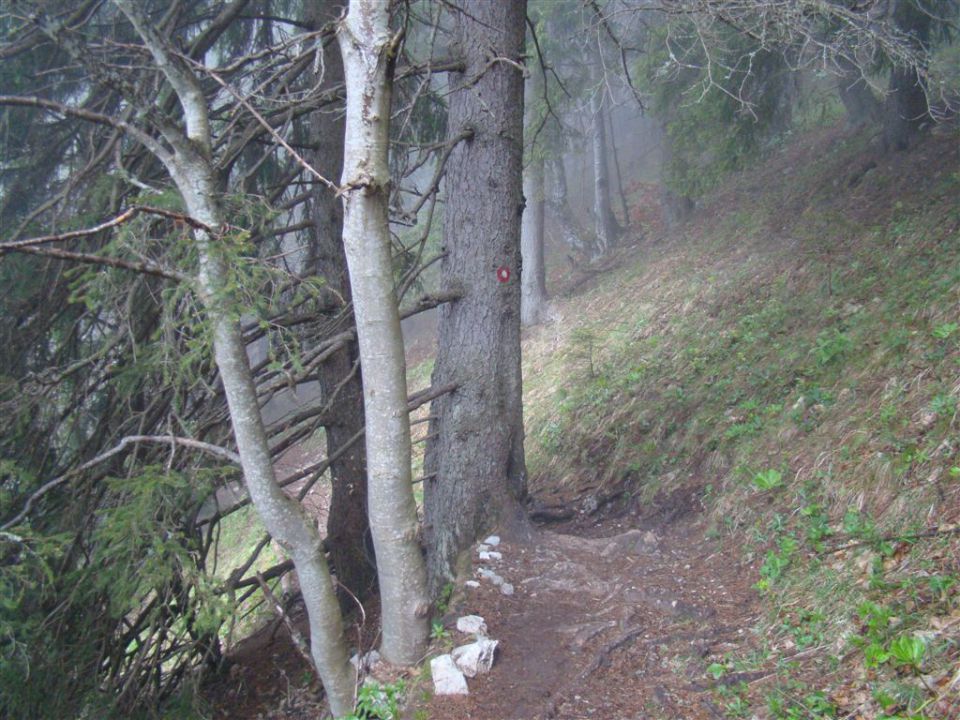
x=474, y=467
x=533, y=279
x=347, y=524
x=559, y=204
x=605, y=222
x=368, y=57
x=191, y=169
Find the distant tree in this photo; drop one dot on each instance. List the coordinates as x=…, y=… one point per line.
x=533, y=287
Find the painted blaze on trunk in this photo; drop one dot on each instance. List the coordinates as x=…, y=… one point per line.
x=474, y=461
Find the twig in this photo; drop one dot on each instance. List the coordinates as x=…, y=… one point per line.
x=931, y=532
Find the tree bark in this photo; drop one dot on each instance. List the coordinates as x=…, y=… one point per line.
x=559, y=205
x=369, y=55
x=858, y=100
x=190, y=166
x=474, y=464
x=605, y=222
x=675, y=207
x=347, y=523
x=533, y=278
x=906, y=111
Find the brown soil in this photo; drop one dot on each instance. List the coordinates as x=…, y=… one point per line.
x=617, y=618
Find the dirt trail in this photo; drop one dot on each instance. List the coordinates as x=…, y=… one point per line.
x=616, y=627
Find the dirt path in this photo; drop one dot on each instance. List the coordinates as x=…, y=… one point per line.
x=616, y=627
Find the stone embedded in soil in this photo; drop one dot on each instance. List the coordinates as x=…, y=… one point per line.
x=447, y=677
x=481, y=548
x=366, y=662
x=492, y=541
x=472, y=625
x=490, y=575
x=472, y=584
x=476, y=658
x=506, y=589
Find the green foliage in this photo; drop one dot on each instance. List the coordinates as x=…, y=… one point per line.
x=768, y=479
x=379, y=702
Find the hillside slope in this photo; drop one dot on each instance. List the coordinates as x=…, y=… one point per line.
x=792, y=357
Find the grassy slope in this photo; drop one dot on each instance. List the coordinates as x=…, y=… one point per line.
x=794, y=351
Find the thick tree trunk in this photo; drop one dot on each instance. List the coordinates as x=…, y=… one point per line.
x=368, y=54
x=559, y=205
x=605, y=222
x=347, y=524
x=190, y=167
x=533, y=278
x=906, y=111
x=474, y=465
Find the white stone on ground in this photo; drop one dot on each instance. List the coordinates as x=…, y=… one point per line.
x=485, y=555
x=475, y=658
x=493, y=540
x=447, y=677
x=494, y=555
x=368, y=661
x=506, y=589
x=482, y=548
x=472, y=584
x=472, y=625
x=490, y=575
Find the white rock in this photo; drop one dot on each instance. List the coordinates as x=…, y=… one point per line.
x=493, y=540
x=472, y=625
x=490, y=575
x=481, y=548
x=447, y=678
x=506, y=589
x=485, y=555
x=368, y=661
x=476, y=658
x=494, y=555
x=472, y=584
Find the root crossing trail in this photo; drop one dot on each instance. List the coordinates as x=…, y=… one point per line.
x=619, y=627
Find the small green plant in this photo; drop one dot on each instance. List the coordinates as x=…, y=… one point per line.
x=831, y=346
x=716, y=670
x=443, y=602
x=945, y=331
x=378, y=702
x=943, y=405
x=768, y=479
x=908, y=650
x=438, y=631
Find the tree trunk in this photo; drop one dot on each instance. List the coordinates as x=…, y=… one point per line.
x=368, y=58
x=190, y=167
x=533, y=282
x=858, y=100
x=906, y=111
x=605, y=222
x=474, y=464
x=615, y=155
x=347, y=524
x=559, y=205
x=675, y=207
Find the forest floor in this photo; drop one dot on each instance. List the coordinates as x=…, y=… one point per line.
x=616, y=618
x=743, y=440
